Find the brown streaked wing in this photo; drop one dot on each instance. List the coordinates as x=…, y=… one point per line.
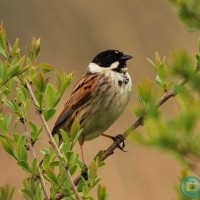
x=80, y=94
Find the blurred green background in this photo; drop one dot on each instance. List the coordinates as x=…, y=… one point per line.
x=72, y=33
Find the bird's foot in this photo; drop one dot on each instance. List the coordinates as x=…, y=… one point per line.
x=120, y=142
x=119, y=139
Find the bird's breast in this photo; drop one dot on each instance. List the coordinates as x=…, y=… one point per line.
x=107, y=102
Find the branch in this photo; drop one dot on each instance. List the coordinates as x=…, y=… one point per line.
x=140, y=120
x=110, y=150
x=52, y=142
x=41, y=177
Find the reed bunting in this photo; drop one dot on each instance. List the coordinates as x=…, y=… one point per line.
x=99, y=98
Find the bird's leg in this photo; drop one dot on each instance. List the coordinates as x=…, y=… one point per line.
x=108, y=136
x=119, y=139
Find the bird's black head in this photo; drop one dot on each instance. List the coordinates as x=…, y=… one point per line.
x=107, y=58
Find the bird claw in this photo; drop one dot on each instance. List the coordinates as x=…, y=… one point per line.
x=120, y=142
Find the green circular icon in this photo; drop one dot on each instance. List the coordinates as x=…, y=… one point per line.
x=190, y=186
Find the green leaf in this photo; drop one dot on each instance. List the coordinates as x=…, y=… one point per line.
x=92, y=172
x=75, y=131
x=32, y=74
x=157, y=59
x=151, y=62
x=101, y=192
x=67, y=189
x=48, y=114
x=50, y=174
x=47, y=157
x=161, y=70
x=3, y=125
x=31, y=189
x=34, y=51
x=10, y=104
x=99, y=163
x=7, y=145
x=21, y=151
x=144, y=91
x=73, y=169
x=6, y=192
x=46, y=161
x=62, y=81
x=5, y=122
x=159, y=81
x=51, y=95
x=12, y=71
x=66, y=139
x=3, y=40
x=15, y=48
x=85, y=190
x=40, y=82
x=81, y=165
x=81, y=184
x=68, y=154
x=2, y=52
x=35, y=131
x=36, y=47
x=46, y=67
x=25, y=166
x=45, y=151
x=22, y=95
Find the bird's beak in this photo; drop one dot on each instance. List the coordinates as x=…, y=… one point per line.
x=126, y=57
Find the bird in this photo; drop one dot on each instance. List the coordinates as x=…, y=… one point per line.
x=99, y=97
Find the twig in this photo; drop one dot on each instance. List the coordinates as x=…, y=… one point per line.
x=140, y=120
x=52, y=141
x=28, y=137
x=41, y=177
x=110, y=150
x=136, y=124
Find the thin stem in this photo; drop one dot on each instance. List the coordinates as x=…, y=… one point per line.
x=52, y=141
x=41, y=177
